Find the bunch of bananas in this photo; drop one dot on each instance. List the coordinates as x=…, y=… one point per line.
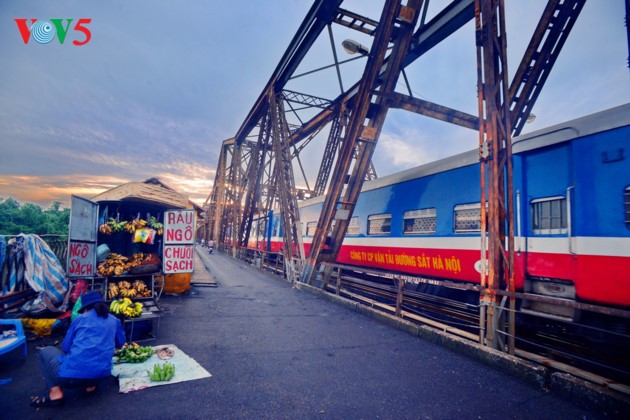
x=157, y=226
x=114, y=265
x=105, y=229
x=142, y=258
x=126, y=307
x=162, y=372
x=135, y=224
x=112, y=291
x=116, y=226
x=132, y=353
x=140, y=286
x=130, y=290
x=111, y=226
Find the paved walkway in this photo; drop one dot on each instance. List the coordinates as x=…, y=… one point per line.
x=276, y=352
x=201, y=276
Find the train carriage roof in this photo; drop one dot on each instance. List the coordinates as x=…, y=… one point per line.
x=594, y=123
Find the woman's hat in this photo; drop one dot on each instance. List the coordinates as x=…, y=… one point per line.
x=90, y=298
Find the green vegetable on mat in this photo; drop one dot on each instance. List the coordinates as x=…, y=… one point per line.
x=133, y=353
x=162, y=372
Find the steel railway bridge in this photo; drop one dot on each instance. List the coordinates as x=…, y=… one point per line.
x=257, y=167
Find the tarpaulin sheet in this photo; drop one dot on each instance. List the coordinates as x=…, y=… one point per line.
x=134, y=376
x=42, y=269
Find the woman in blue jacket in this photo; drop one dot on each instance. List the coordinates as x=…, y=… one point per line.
x=87, y=352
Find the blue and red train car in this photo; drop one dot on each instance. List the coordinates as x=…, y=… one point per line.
x=572, y=215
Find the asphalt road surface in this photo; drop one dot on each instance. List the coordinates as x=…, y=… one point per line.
x=276, y=352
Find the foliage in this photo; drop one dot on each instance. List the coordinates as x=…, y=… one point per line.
x=16, y=218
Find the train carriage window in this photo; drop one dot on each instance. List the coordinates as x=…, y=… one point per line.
x=419, y=221
x=354, y=226
x=262, y=228
x=549, y=215
x=310, y=228
x=467, y=218
x=379, y=224
x=626, y=199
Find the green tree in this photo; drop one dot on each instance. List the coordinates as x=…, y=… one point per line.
x=9, y=215
x=30, y=218
x=59, y=218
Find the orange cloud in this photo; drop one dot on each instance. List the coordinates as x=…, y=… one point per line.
x=43, y=191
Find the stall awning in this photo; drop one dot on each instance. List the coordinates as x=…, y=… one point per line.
x=147, y=193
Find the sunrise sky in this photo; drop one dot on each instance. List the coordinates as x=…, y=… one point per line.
x=160, y=85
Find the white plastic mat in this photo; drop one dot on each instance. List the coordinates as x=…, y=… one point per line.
x=134, y=376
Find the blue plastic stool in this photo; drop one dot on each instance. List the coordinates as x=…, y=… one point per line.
x=8, y=344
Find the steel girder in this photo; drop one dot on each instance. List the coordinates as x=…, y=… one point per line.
x=260, y=151
x=549, y=36
x=396, y=26
x=495, y=147
x=292, y=235
x=323, y=13
x=504, y=110
x=224, y=201
x=217, y=199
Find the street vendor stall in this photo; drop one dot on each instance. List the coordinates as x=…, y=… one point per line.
x=132, y=243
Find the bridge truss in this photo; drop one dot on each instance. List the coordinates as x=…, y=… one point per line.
x=257, y=168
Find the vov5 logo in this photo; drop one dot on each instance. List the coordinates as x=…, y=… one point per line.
x=44, y=31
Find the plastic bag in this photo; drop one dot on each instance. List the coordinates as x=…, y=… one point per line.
x=144, y=235
x=80, y=287
x=41, y=305
x=75, y=309
x=41, y=327
x=35, y=307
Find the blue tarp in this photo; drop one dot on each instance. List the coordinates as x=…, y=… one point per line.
x=43, y=271
x=29, y=259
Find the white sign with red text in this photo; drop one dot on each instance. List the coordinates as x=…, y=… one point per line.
x=81, y=257
x=179, y=232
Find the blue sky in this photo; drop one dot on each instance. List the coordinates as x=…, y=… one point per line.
x=161, y=84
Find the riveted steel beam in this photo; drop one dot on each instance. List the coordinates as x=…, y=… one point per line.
x=549, y=36
x=496, y=170
x=430, y=109
x=396, y=26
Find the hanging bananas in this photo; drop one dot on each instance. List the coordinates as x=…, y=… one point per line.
x=105, y=229
x=155, y=225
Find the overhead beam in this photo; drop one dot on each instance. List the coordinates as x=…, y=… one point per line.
x=430, y=109
x=444, y=24
x=304, y=99
x=355, y=21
